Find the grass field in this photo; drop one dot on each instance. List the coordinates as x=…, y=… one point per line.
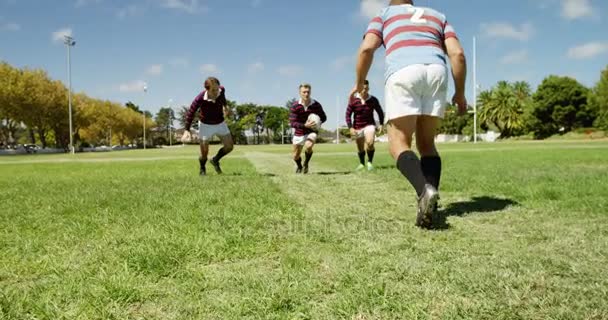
x=522, y=234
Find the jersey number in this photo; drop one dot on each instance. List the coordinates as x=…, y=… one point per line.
x=417, y=17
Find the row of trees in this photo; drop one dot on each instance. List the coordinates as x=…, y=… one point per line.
x=559, y=105
x=34, y=109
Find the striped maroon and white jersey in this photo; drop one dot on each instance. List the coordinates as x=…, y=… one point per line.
x=299, y=114
x=363, y=112
x=211, y=111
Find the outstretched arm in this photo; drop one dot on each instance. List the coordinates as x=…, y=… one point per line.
x=192, y=111
x=370, y=44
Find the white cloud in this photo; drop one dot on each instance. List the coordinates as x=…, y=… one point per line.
x=588, y=50
x=179, y=62
x=209, y=68
x=155, y=70
x=290, y=70
x=10, y=27
x=128, y=11
x=576, y=9
x=189, y=6
x=515, y=57
x=498, y=30
x=255, y=67
x=58, y=35
x=133, y=86
x=370, y=8
x=82, y=3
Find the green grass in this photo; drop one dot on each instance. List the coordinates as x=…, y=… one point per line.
x=522, y=234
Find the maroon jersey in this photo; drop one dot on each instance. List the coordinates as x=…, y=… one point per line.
x=211, y=111
x=299, y=114
x=364, y=112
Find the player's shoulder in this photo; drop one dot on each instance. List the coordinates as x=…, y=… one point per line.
x=433, y=12
x=201, y=95
x=295, y=105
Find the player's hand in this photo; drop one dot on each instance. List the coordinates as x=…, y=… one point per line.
x=461, y=101
x=186, y=137
x=309, y=124
x=356, y=89
x=353, y=132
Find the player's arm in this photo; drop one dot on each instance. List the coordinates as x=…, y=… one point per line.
x=380, y=113
x=349, y=116
x=192, y=110
x=322, y=114
x=190, y=117
x=224, y=102
x=371, y=42
x=458, y=63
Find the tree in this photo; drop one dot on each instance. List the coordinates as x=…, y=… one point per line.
x=9, y=123
x=599, y=100
x=453, y=123
x=164, y=121
x=132, y=106
x=503, y=107
x=276, y=120
x=560, y=105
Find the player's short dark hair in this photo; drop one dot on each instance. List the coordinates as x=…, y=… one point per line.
x=209, y=81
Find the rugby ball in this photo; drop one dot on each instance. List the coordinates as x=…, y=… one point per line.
x=316, y=120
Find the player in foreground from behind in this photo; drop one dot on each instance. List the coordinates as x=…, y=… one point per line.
x=213, y=106
x=416, y=40
x=363, y=105
x=304, y=136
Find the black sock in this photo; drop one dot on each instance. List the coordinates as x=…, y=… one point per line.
x=370, y=155
x=299, y=163
x=409, y=165
x=220, y=154
x=202, y=162
x=431, y=168
x=362, y=157
x=307, y=159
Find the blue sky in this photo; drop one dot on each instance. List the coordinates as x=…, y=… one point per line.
x=262, y=49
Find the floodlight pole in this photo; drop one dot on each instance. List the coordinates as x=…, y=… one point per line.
x=69, y=42
x=474, y=90
x=144, y=113
x=337, y=119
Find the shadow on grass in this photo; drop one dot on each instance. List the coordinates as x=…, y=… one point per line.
x=333, y=173
x=385, y=167
x=483, y=204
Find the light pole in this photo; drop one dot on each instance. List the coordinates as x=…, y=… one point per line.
x=474, y=90
x=337, y=119
x=144, y=113
x=69, y=42
x=170, y=123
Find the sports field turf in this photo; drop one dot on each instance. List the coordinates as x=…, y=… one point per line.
x=522, y=234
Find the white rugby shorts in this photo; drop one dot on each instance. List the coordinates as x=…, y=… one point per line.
x=301, y=140
x=207, y=131
x=419, y=89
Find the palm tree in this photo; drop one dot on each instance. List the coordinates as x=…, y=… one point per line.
x=503, y=106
